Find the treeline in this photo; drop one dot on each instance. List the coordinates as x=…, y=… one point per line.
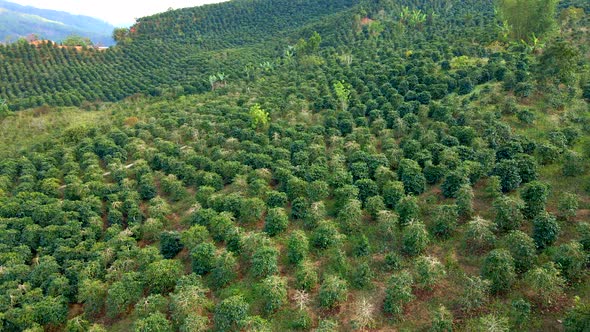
x=235, y=23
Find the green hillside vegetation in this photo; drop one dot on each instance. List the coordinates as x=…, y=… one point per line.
x=18, y=21
x=236, y=23
x=407, y=165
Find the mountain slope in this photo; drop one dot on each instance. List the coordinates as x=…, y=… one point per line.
x=236, y=23
x=19, y=21
x=393, y=166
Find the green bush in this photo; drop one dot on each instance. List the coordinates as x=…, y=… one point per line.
x=306, y=277
x=231, y=313
x=479, y=236
x=442, y=320
x=578, y=318
x=498, y=267
x=571, y=260
x=428, y=271
x=494, y=187
x=202, y=258
x=350, y=216
x=273, y=293
x=476, y=293
x=534, y=196
x=415, y=239
x=327, y=325
x=317, y=191
x=411, y=176
x=465, y=197
x=527, y=166
x=393, y=191
x=362, y=275
x=223, y=270
x=361, y=246
x=374, y=204
x=297, y=247
x=162, y=275
x=545, y=230
x=545, y=283
x=333, y=292
x=526, y=116
x=264, y=261
x=173, y=187
x=156, y=322
x=326, y=235
x=508, y=213
x=584, y=231
x=170, y=244
x=388, y=225
x=445, y=221
x=520, y=311
x=251, y=210
x=522, y=248
x=122, y=294
x=299, y=208
x=509, y=174
x=276, y=221
x=567, y=205
x=393, y=261
x=548, y=154
x=408, y=210
x=452, y=183
x=398, y=293
x=151, y=304
x=194, y=236
x=573, y=164
x=367, y=188
x=276, y=199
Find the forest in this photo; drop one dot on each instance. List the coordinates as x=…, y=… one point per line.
x=275, y=165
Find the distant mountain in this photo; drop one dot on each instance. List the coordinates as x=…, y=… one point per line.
x=19, y=21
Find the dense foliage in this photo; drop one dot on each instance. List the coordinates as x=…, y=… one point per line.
x=334, y=170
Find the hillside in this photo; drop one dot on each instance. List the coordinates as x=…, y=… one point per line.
x=20, y=21
x=264, y=165
x=236, y=23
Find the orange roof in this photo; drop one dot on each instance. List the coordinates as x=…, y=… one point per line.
x=366, y=21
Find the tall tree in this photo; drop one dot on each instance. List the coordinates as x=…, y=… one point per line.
x=121, y=35
x=527, y=19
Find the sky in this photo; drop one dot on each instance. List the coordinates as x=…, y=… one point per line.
x=117, y=12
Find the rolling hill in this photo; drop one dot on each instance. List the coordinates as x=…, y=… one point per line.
x=20, y=21
x=325, y=166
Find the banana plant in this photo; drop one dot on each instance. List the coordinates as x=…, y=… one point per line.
x=3, y=108
x=267, y=66
x=536, y=43
x=218, y=79
x=417, y=17
x=405, y=14
x=289, y=53
x=346, y=58
x=222, y=77
x=412, y=17
x=212, y=81
x=505, y=30
x=250, y=70
x=533, y=45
